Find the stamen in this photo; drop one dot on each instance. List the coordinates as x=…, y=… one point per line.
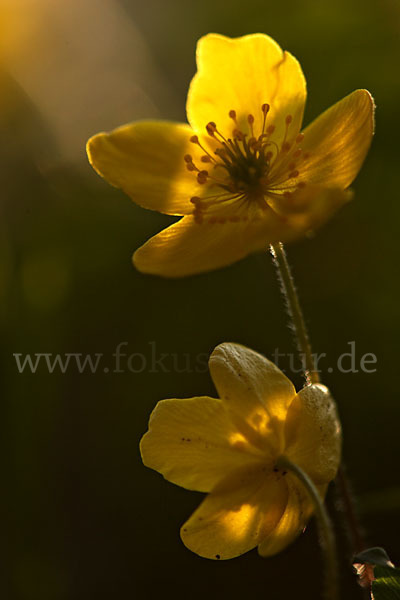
x=195, y=140
x=250, y=120
x=265, y=110
x=211, y=128
x=202, y=176
x=232, y=115
x=253, y=165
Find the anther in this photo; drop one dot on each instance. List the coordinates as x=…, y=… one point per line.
x=232, y=114
x=265, y=108
x=202, y=176
x=300, y=138
x=285, y=147
x=297, y=153
x=291, y=175
x=250, y=120
x=187, y=158
x=206, y=159
x=288, y=119
x=211, y=128
x=270, y=129
x=190, y=166
x=194, y=139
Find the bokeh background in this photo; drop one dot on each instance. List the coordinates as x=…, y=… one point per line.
x=83, y=519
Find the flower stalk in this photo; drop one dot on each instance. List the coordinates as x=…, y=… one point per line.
x=312, y=376
x=296, y=314
x=324, y=524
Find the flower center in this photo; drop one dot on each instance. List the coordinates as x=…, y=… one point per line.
x=244, y=169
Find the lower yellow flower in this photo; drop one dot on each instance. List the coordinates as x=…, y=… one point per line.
x=229, y=448
x=243, y=174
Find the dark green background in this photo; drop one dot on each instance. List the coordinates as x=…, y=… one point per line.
x=84, y=519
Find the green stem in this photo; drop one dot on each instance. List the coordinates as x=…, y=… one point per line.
x=312, y=376
x=324, y=524
x=295, y=312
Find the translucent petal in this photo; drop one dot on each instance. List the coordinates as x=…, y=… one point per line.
x=338, y=141
x=256, y=392
x=187, y=247
x=146, y=160
x=313, y=433
x=193, y=443
x=239, y=513
x=294, y=519
x=242, y=74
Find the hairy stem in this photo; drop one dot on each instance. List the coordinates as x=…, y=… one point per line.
x=312, y=376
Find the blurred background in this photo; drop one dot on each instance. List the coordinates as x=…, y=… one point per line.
x=83, y=518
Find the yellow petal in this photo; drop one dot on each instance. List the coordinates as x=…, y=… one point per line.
x=308, y=208
x=242, y=74
x=294, y=519
x=238, y=514
x=313, y=433
x=338, y=141
x=188, y=247
x=193, y=443
x=254, y=389
x=146, y=160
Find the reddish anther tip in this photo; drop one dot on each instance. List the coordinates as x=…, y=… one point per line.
x=300, y=138
x=232, y=114
x=288, y=119
x=265, y=108
x=194, y=139
x=187, y=158
x=250, y=119
x=271, y=129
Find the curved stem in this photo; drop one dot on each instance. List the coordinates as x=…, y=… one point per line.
x=324, y=525
x=312, y=376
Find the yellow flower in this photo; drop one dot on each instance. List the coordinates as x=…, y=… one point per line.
x=242, y=175
x=229, y=448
